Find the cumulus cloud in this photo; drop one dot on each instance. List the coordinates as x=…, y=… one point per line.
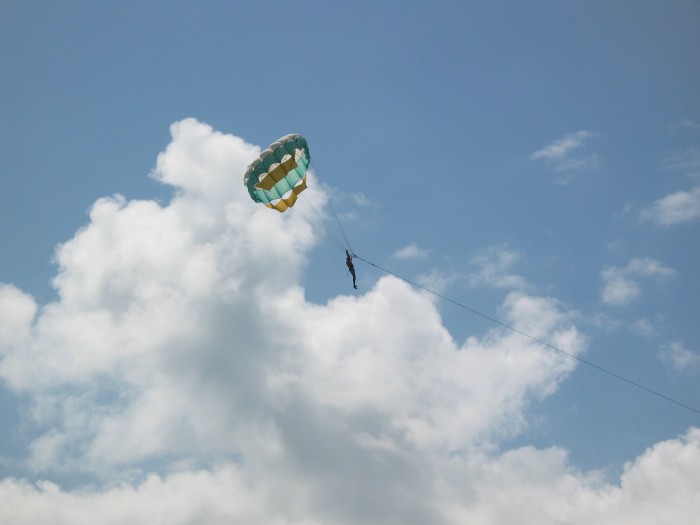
x=520, y=486
x=621, y=285
x=17, y=312
x=565, y=154
x=185, y=375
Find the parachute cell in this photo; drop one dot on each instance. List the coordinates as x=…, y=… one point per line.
x=278, y=175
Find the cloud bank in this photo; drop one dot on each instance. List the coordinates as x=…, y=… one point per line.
x=185, y=376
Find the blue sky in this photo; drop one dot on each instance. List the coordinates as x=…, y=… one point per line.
x=538, y=162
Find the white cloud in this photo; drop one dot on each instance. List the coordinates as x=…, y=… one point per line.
x=211, y=497
x=412, y=251
x=682, y=206
x=183, y=372
x=202, y=161
x=674, y=208
x=678, y=356
x=17, y=312
x=533, y=486
x=621, y=284
x=520, y=486
x=494, y=265
x=564, y=155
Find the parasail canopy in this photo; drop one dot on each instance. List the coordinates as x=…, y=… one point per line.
x=278, y=175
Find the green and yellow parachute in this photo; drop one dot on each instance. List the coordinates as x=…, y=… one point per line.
x=278, y=175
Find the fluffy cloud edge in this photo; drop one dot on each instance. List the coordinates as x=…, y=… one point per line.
x=517, y=487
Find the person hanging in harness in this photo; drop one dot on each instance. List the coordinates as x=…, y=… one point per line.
x=351, y=267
